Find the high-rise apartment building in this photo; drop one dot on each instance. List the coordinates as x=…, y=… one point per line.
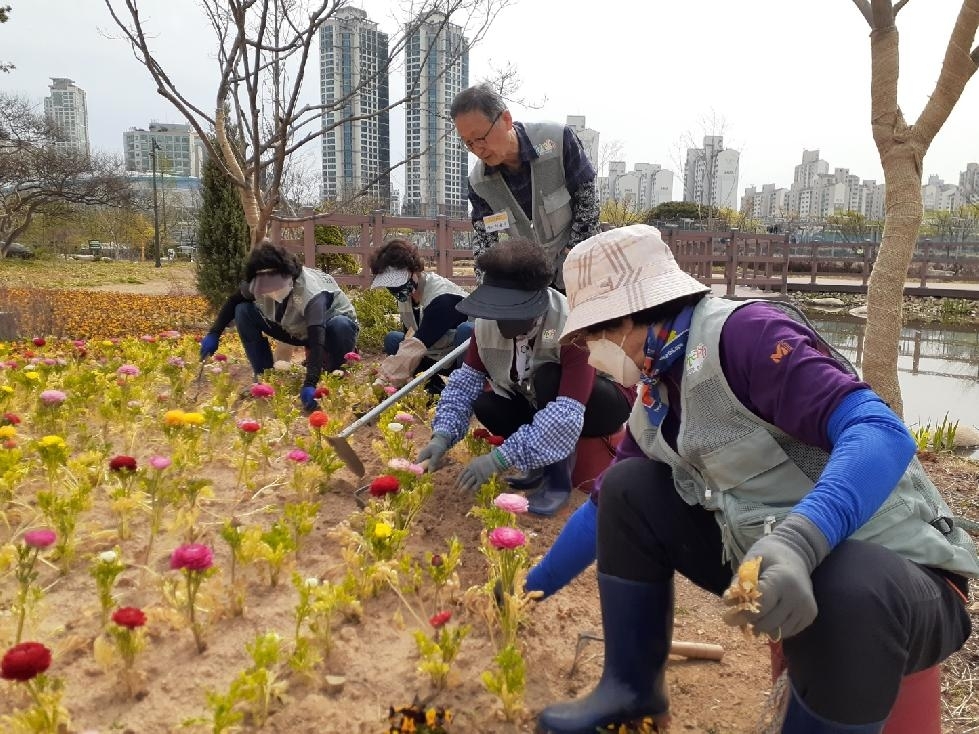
x=969, y=183
x=710, y=175
x=645, y=186
x=65, y=106
x=179, y=150
x=436, y=70
x=356, y=143
x=588, y=138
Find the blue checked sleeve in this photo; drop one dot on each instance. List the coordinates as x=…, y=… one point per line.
x=550, y=437
x=455, y=405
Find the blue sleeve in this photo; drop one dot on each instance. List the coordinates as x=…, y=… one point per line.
x=573, y=551
x=577, y=168
x=455, y=406
x=871, y=451
x=548, y=438
x=439, y=316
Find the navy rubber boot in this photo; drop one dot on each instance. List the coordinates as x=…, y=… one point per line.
x=554, y=490
x=637, y=622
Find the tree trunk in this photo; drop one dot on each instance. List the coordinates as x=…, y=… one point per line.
x=249, y=202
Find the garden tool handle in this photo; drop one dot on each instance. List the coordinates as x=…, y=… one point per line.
x=395, y=397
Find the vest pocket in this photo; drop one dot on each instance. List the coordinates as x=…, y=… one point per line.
x=755, y=464
x=557, y=213
x=745, y=521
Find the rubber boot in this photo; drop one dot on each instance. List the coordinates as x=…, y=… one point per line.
x=800, y=719
x=554, y=491
x=530, y=480
x=637, y=622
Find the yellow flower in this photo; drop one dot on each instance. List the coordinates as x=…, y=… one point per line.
x=193, y=419
x=51, y=441
x=7, y=389
x=174, y=417
x=382, y=530
x=32, y=376
x=7, y=432
x=106, y=343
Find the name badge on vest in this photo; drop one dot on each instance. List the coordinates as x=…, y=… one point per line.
x=496, y=222
x=546, y=147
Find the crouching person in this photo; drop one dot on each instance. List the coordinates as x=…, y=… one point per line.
x=293, y=304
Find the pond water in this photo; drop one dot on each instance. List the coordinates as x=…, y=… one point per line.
x=938, y=368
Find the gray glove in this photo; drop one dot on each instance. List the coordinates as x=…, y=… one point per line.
x=479, y=470
x=789, y=555
x=434, y=451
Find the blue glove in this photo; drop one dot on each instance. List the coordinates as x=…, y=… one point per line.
x=307, y=396
x=789, y=554
x=209, y=345
x=572, y=552
x=479, y=470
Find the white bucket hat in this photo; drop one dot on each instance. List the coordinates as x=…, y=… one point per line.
x=620, y=272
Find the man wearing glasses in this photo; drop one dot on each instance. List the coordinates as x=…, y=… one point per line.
x=532, y=180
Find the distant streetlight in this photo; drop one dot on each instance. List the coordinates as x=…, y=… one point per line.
x=156, y=217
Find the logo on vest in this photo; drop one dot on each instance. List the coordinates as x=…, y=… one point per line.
x=696, y=358
x=549, y=335
x=782, y=349
x=546, y=147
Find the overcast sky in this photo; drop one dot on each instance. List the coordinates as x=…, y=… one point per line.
x=777, y=75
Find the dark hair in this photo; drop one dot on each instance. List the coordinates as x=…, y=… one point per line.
x=519, y=261
x=272, y=257
x=479, y=98
x=648, y=316
x=398, y=254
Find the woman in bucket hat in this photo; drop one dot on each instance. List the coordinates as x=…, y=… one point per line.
x=751, y=438
x=427, y=305
x=544, y=396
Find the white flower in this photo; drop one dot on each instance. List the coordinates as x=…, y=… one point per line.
x=109, y=556
x=395, y=427
x=312, y=582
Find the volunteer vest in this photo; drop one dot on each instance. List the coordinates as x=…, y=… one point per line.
x=550, y=226
x=497, y=352
x=430, y=287
x=751, y=474
x=309, y=283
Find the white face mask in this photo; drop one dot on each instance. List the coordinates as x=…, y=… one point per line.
x=280, y=295
x=608, y=357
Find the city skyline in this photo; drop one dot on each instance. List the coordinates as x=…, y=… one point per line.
x=762, y=79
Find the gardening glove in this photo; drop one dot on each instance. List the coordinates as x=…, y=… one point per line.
x=209, y=345
x=435, y=451
x=480, y=469
x=307, y=396
x=789, y=554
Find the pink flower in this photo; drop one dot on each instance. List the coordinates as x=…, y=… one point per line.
x=406, y=465
x=406, y=418
x=53, y=397
x=298, y=455
x=130, y=370
x=176, y=362
x=171, y=334
x=351, y=357
x=505, y=538
x=250, y=426
x=515, y=503
x=78, y=343
x=160, y=462
x=148, y=338
x=40, y=538
x=390, y=389
x=261, y=390
x=192, y=556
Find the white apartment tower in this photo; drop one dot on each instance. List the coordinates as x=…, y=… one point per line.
x=354, y=84
x=436, y=70
x=710, y=175
x=588, y=138
x=66, y=107
x=179, y=150
x=969, y=183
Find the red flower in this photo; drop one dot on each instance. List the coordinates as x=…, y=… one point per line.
x=220, y=357
x=438, y=621
x=495, y=440
x=351, y=357
x=10, y=444
x=250, y=426
x=192, y=556
x=10, y=419
x=321, y=392
x=24, y=661
x=318, y=419
x=437, y=560
x=384, y=484
x=122, y=463
x=39, y=341
x=481, y=433
x=129, y=617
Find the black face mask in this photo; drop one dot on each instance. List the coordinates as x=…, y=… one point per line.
x=513, y=329
x=403, y=293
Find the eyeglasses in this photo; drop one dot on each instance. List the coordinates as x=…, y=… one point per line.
x=481, y=141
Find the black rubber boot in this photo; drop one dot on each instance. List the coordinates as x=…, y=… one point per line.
x=800, y=719
x=554, y=491
x=530, y=480
x=637, y=621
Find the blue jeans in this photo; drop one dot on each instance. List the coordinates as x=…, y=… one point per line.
x=341, y=337
x=393, y=339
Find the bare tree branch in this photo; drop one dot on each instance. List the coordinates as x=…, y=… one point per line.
x=897, y=7
x=864, y=7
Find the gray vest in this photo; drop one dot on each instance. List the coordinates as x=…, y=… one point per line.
x=497, y=352
x=309, y=283
x=751, y=474
x=550, y=226
x=431, y=286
